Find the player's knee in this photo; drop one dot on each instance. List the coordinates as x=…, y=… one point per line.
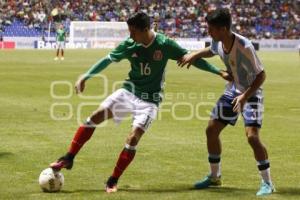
x=95, y=118
x=253, y=139
x=100, y=115
x=135, y=136
x=132, y=140
x=211, y=132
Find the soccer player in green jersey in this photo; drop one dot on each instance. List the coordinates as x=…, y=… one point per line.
x=148, y=53
x=60, y=42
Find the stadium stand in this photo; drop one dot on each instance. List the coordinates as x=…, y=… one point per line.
x=255, y=19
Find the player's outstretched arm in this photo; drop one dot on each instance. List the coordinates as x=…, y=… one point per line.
x=240, y=100
x=96, y=68
x=188, y=59
x=79, y=85
x=204, y=65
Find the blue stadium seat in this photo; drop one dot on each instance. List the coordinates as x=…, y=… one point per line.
x=19, y=29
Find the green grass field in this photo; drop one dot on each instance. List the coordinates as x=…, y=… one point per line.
x=170, y=157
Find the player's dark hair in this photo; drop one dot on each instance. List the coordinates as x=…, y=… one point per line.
x=220, y=17
x=139, y=20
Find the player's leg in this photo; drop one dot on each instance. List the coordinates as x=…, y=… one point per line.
x=252, y=115
x=82, y=135
x=86, y=130
x=57, y=52
x=108, y=109
x=261, y=156
x=62, y=50
x=260, y=151
x=214, y=148
x=125, y=158
x=62, y=54
x=222, y=115
x=143, y=115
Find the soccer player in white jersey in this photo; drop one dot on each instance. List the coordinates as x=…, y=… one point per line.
x=242, y=95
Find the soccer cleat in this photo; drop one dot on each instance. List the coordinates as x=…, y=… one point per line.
x=56, y=58
x=207, y=182
x=62, y=162
x=265, y=189
x=111, y=185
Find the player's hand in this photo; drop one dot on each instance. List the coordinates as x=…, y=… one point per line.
x=80, y=85
x=238, y=103
x=226, y=75
x=187, y=59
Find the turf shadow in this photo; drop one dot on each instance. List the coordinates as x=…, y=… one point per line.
x=155, y=190
x=81, y=191
x=126, y=188
x=5, y=154
x=185, y=188
x=288, y=191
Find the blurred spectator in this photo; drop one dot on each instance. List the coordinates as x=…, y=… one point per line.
x=177, y=18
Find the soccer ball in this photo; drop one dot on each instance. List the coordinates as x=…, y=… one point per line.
x=51, y=181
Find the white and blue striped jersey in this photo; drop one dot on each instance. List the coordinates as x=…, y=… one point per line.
x=242, y=62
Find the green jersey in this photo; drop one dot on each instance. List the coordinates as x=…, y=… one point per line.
x=147, y=74
x=60, y=35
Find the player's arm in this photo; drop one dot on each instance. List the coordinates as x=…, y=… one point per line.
x=240, y=100
x=195, y=59
x=204, y=65
x=259, y=80
x=116, y=55
x=190, y=58
x=96, y=68
x=178, y=53
x=203, y=53
x=181, y=55
x=257, y=68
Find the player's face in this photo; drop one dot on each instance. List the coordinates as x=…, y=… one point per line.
x=136, y=34
x=216, y=32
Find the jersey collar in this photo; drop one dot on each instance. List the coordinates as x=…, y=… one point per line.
x=150, y=43
x=233, y=41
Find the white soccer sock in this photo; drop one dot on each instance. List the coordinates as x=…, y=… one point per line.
x=90, y=123
x=266, y=175
x=215, y=169
x=129, y=147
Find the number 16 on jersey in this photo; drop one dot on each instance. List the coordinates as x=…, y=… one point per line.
x=145, y=69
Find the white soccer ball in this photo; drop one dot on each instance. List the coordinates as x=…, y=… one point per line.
x=50, y=180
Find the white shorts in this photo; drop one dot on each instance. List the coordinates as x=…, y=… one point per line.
x=123, y=102
x=60, y=45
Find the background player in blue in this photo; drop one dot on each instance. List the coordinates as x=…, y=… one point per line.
x=148, y=53
x=243, y=94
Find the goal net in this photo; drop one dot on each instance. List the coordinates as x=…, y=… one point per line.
x=98, y=34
